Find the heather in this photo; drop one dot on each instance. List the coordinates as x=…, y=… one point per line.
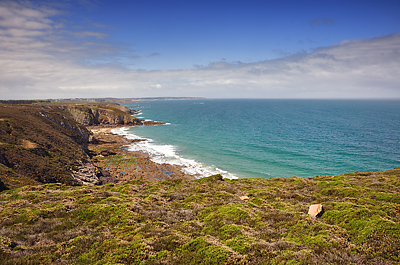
x=205, y=222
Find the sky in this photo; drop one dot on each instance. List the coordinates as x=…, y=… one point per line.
x=340, y=49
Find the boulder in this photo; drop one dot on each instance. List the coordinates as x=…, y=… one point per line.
x=316, y=210
x=244, y=198
x=214, y=178
x=107, y=152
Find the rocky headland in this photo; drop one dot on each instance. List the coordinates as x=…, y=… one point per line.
x=49, y=142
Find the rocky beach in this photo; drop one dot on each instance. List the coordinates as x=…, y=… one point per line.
x=120, y=164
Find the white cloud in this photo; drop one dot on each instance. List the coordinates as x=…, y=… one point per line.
x=38, y=60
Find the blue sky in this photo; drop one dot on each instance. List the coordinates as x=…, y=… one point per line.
x=192, y=32
x=247, y=48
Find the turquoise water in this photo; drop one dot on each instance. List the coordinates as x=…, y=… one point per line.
x=273, y=138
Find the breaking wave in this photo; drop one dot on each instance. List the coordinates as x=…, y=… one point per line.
x=167, y=154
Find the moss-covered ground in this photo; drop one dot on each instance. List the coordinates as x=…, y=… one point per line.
x=205, y=222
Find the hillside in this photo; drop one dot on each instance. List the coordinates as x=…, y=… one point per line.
x=205, y=222
x=47, y=143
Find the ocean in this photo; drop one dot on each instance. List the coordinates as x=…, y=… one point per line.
x=248, y=138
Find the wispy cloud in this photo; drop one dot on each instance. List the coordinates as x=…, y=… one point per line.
x=154, y=54
x=42, y=58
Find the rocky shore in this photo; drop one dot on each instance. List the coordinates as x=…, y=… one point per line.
x=51, y=143
x=110, y=153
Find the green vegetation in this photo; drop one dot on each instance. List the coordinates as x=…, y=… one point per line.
x=205, y=222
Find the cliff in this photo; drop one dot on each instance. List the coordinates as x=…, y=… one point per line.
x=103, y=114
x=48, y=143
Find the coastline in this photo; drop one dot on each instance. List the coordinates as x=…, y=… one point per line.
x=177, y=221
x=167, y=154
x=118, y=162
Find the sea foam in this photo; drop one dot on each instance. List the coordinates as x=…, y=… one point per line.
x=167, y=154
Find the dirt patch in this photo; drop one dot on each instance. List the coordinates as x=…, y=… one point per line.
x=28, y=144
x=101, y=130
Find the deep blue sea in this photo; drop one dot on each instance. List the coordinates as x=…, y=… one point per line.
x=249, y=138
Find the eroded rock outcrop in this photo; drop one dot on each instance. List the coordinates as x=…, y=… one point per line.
x=88, y=174
x=102, y=115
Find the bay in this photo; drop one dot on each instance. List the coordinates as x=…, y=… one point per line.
x=271, y=137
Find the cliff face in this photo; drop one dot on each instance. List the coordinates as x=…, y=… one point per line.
x=83, y=115
x=65, y=120
x=103, y=115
